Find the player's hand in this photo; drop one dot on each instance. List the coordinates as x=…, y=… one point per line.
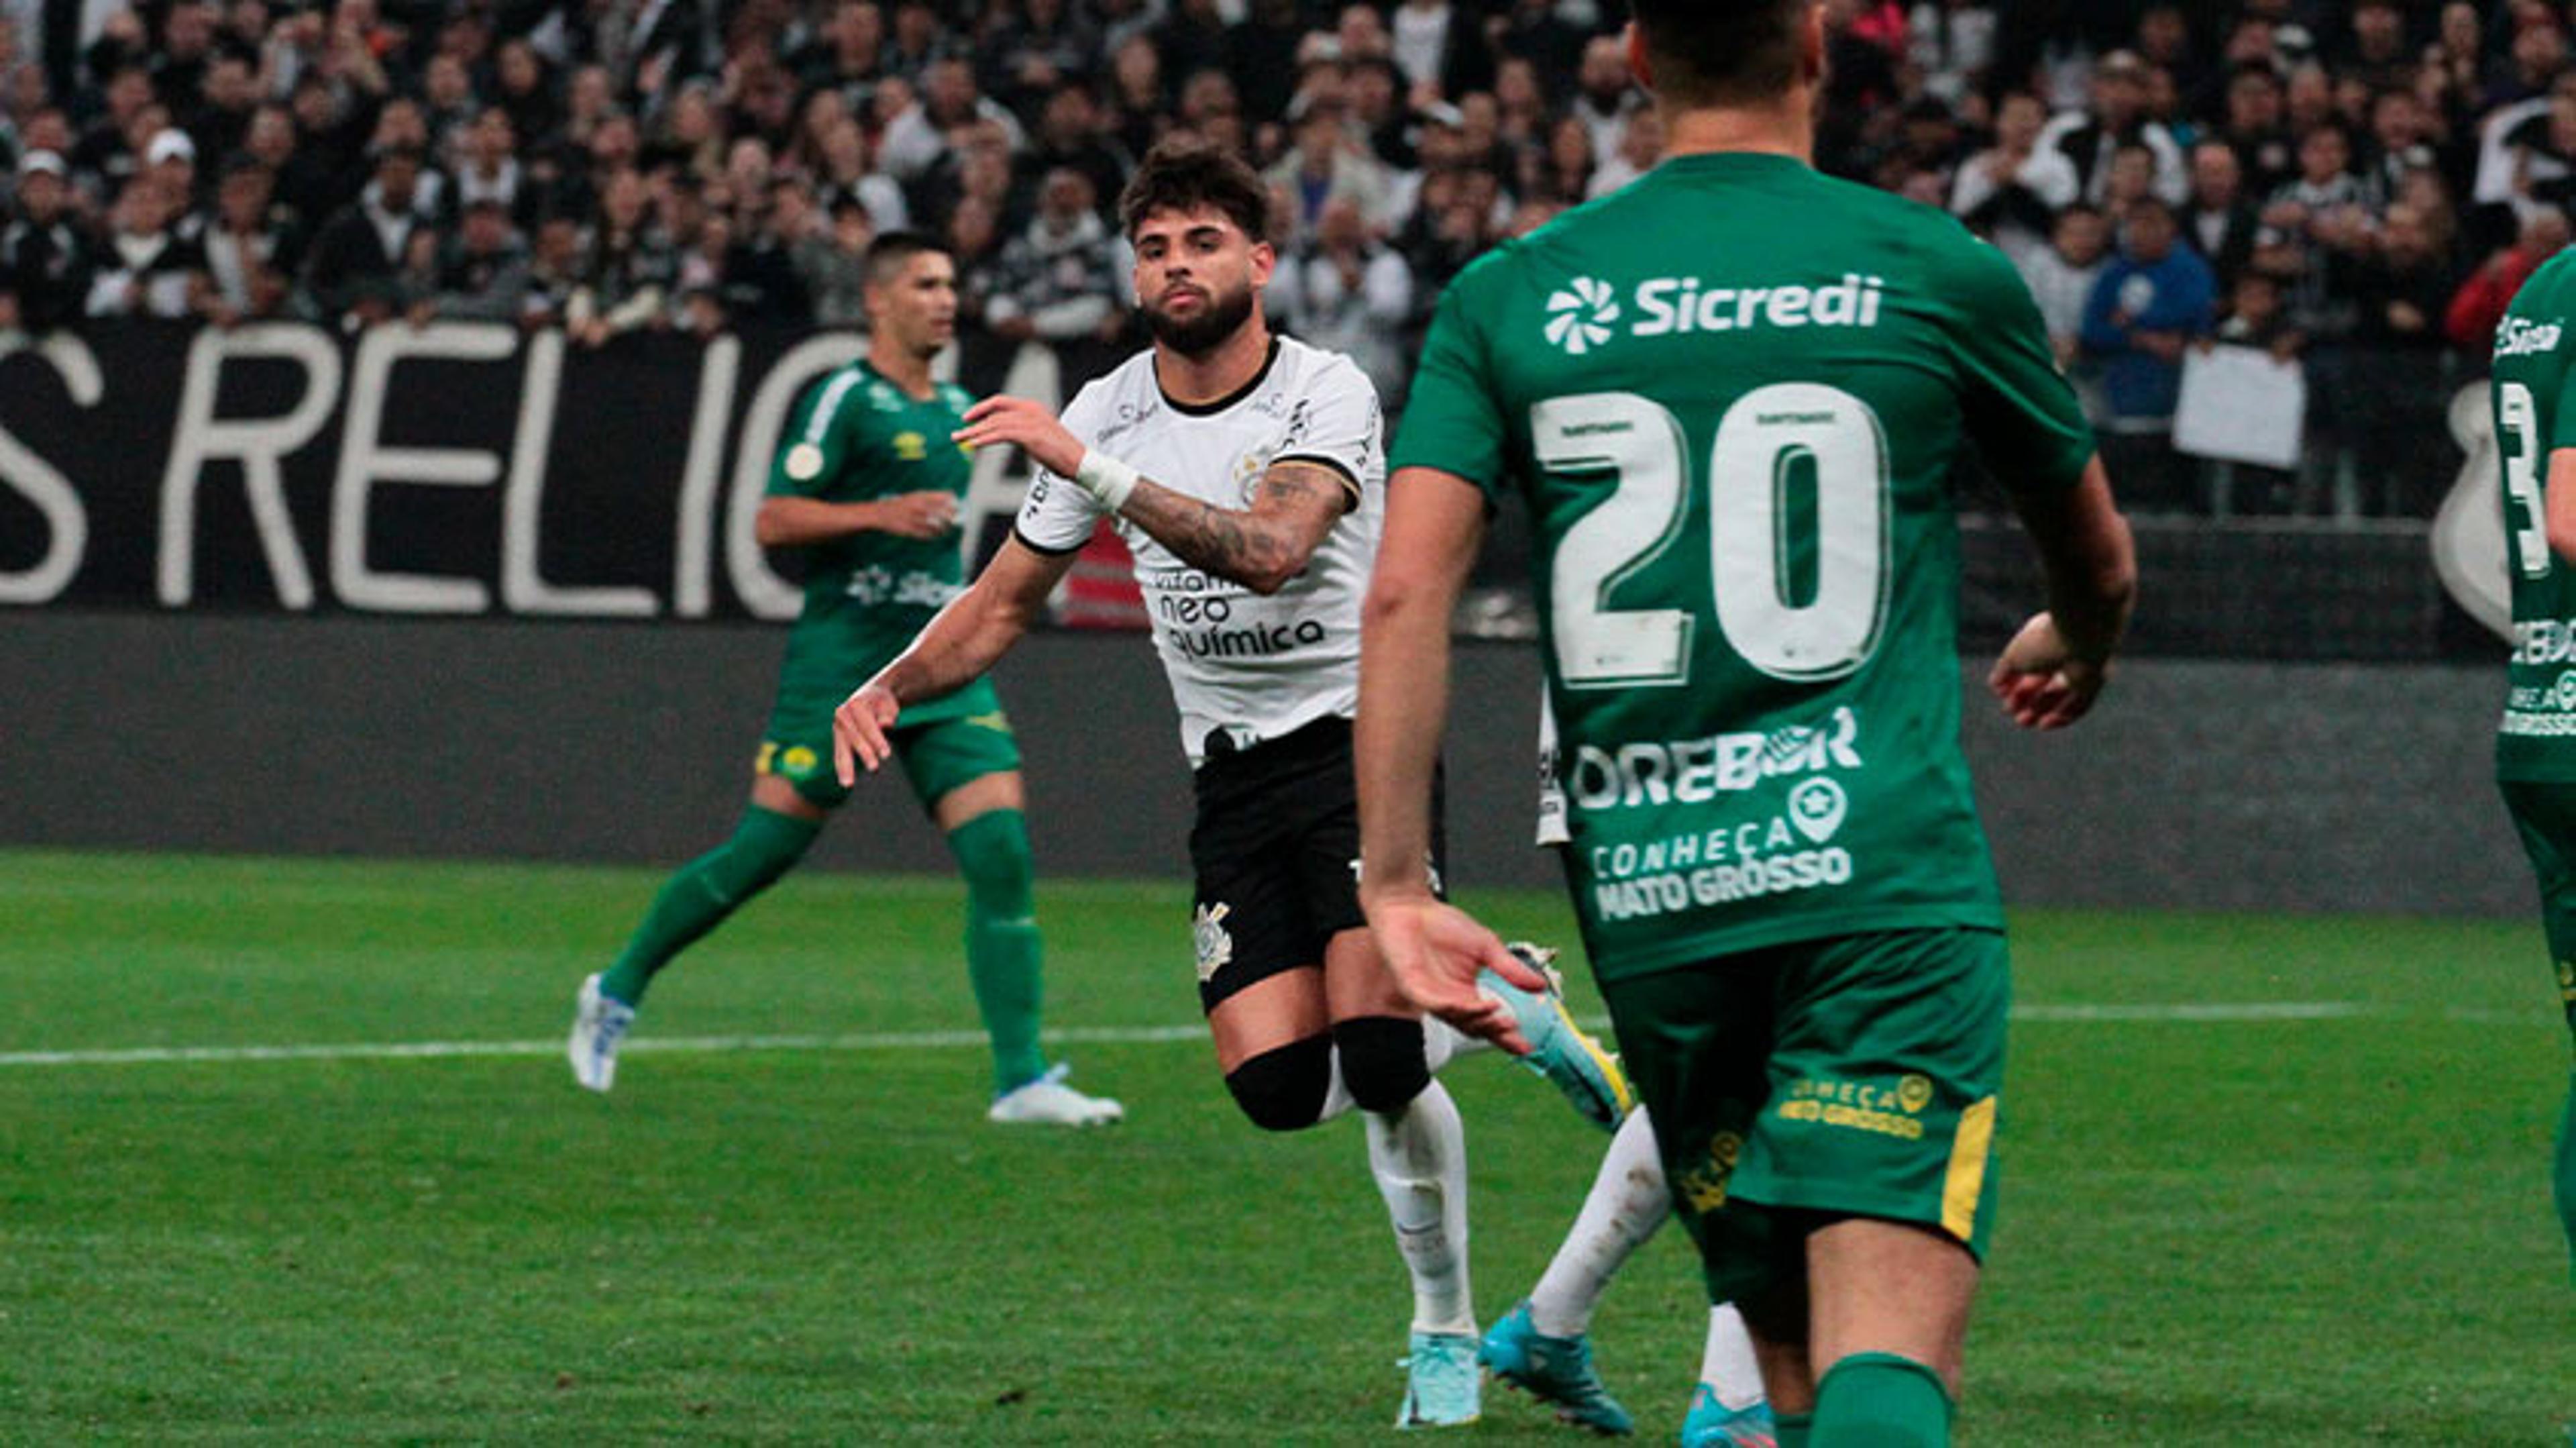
x=859, y=731
x=1025, y=424
x=1435, y=951
x=2042, y=682
x=925, y=514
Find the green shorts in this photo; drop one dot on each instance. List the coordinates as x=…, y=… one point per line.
x=2545, y=816
x=938, y=755
x=1857, y=1075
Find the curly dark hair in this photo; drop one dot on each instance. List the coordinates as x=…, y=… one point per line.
x=1183, y=173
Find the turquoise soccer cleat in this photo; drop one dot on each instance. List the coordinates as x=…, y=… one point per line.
x=1443, y=1387
x=1711, y=1424
x=1556, y=1371
x=1571, y=1060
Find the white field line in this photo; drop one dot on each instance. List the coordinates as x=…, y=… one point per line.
x=964, y=1040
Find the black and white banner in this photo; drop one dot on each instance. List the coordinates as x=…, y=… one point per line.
x=458, y=469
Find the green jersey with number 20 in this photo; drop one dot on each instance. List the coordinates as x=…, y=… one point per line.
x=2534, y=396
x=1732, y=394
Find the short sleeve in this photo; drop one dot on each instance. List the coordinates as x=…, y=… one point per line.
x=817, y=441
x=1338, y=424
x=1058, y=516
x=2020, y=410
x=1453, y=421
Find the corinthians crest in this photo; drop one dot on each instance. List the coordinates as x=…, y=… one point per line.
x=1215, y=945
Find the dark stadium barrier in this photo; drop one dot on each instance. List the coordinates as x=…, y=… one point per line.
x=2203, y=785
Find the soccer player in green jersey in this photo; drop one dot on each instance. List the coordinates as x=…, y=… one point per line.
x=1733, y=395
x=868, y=485
x=2534, y=396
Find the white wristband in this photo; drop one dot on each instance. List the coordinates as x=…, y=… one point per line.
x=1106, y=478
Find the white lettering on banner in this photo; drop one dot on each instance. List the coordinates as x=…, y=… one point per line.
x=700, y=477
x=258, y=444
x=299, y=498
x=44, y=486
x=762, y=591
x=365, y=462
x=524, y=589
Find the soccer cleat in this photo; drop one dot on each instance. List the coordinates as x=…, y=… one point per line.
x=1555, y=1370
x=1443, y=1386
x=598, y=1023
x=1559, y=1049
x=1711, y=1424
x=1047, y=1101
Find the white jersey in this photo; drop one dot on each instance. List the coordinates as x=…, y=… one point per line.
x=1254, y=667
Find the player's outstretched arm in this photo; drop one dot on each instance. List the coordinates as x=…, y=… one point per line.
x=1434, y=523
x=1261, y=547
x=953, y=650
x=2055, y=667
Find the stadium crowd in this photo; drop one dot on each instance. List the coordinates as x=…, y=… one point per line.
x=2353, y=184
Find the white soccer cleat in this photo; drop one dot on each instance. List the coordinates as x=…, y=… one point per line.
x=1047, y=1101
x=598, y=1024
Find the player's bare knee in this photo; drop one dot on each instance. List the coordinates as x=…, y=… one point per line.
x=1382, y=1063
x=1284, y=1089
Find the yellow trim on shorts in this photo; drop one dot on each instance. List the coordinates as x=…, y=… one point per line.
x=1970, y=1150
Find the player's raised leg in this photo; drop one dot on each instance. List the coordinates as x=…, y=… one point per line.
x=774, y=833
x=1561, y=1052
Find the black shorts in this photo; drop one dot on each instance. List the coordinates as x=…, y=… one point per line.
x=1275, y=850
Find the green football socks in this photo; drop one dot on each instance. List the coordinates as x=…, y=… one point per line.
x=706, y=890
x=992, y=851
x=2566, y=1175
x=1790, y=1429
x=1880, y=1400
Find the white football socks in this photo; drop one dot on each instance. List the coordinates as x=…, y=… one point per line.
x=1419, y=1158
x=1729, y=1367
x=1625, y=1206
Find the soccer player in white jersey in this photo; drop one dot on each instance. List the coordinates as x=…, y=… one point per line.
x=1248, y=472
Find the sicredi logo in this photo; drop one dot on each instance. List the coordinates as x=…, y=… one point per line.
x=1579, y=318
x=2520, y=336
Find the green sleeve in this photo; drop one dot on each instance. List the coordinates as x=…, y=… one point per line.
x=820, y=436
x=1453, y=418
x=2019, y=408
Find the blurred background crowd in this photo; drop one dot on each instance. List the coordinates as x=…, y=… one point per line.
x=2353, y=186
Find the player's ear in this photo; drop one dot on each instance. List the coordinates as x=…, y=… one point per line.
x=1811, y=45
x=1265, y=260
x=1635, y=43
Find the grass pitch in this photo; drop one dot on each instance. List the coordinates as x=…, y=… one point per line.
x=2266, y=1181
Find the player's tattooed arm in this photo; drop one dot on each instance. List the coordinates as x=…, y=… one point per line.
x=1262, y=547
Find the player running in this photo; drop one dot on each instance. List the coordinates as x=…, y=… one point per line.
x=1248, y=472
x=1733, y=395
x=868, y=485
x=2535, y=428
